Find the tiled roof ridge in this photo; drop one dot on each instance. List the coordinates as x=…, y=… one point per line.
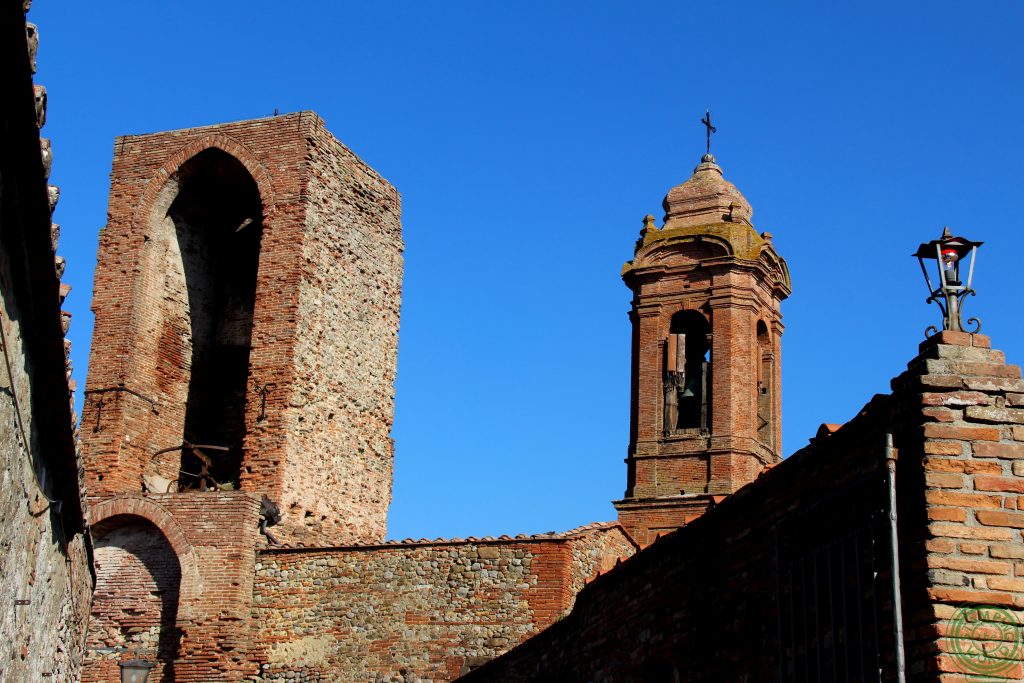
x=504, y=538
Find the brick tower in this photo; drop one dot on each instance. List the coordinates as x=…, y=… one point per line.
x=247, y=300
x=705, y=393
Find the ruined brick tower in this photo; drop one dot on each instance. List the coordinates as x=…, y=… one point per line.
x=247, y=300
x=705, y=392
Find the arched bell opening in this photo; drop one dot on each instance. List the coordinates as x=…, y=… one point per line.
x=687, y=373
x=765, y=386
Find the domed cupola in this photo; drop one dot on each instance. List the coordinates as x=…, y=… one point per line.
x=706, y=198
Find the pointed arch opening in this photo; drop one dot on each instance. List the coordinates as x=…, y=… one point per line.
x=209, y=225
x=687, y=373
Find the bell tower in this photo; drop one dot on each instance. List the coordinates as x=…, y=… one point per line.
x=705, y=391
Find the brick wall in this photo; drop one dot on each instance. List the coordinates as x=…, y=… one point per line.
x=198, y=550
x=709, y=602
x=413, y=610
x=135, y=606
x=966, y=520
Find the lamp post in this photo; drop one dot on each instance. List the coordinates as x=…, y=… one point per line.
x=135, y=671
x=949, y=252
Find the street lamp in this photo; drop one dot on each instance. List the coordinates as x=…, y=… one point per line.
x=948, y=252
x=135, y=671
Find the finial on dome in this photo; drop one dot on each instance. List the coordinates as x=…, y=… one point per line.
x=707, y=159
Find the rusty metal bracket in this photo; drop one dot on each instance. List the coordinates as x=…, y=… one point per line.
x=262, y=390
x=120, y=387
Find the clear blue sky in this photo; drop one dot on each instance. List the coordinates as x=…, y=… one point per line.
x=529, y=139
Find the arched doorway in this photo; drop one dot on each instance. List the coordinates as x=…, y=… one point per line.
x=135, y=604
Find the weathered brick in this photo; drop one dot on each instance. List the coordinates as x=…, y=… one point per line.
x=970, y=564
x=970, y=597
x=961, y=465
x=942, y=431
x=1005, y=583
x=946, y=337
x=944, y=480
x=1012, y=485
x=999, y=450
x=967, y=368
x=939, y=381
x=939, y=545
x=967, y=500
x=947, y=514
x=956, y=399
x=974, y=548
x=995, y=415
x=943, y=448
x=993, y=384
x=996, y=518
x=1007, y=551
x=971, y=532
x=941, y=414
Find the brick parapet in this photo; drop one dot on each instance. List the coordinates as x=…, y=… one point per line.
x=969, y=539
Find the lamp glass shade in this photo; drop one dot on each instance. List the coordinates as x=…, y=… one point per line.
x=135, y=671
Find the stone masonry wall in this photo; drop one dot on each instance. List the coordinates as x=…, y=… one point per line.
x=417, y=610
x=339, y=472
x=44, y=548
x=709, y=601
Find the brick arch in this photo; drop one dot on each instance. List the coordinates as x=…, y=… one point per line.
x=158, y=516
x=703, y=310
x=170, y=167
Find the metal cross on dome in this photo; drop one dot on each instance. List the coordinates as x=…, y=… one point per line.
x=707, y=124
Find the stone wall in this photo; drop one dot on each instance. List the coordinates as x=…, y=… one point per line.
x=44, y=547
x=766, y=584
x=338, y=476
x=417, y=610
